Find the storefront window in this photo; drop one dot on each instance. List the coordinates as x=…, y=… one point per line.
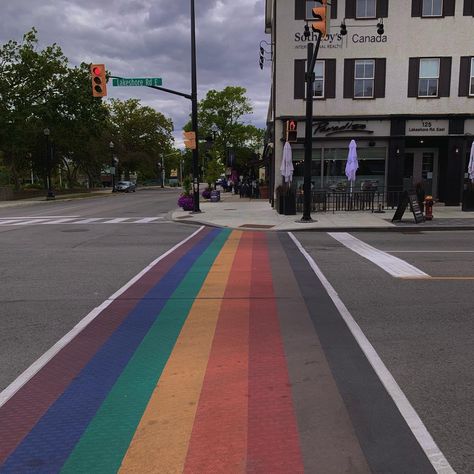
x=370, y=175
x=298, y=173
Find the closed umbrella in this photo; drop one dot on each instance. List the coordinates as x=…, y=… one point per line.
x=470, y=168
x=286, y=167
x=352, y=164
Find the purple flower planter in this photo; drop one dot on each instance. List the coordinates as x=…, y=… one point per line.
x=186, y=202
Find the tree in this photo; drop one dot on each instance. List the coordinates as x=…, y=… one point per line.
x=221, y=121
x=140, y=134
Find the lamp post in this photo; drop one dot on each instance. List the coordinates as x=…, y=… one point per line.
x=112, y=164
x=50, y=194
x=163, y=173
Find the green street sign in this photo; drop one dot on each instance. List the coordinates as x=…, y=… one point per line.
x=138, y=81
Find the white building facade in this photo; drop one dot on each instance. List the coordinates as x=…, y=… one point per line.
x=406, y=96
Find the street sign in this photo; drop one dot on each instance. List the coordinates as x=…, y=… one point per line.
x=137, y=81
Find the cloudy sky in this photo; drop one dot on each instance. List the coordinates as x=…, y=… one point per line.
x=151, y=38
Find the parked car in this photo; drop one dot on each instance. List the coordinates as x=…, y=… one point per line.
x=125, y=187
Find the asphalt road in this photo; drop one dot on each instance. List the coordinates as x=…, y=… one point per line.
x=53, y=275
x=422, y=329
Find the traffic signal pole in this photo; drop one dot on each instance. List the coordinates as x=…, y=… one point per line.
x=194, y=112
x=308, y=137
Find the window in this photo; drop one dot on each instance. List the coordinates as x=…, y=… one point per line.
x=471, y=86
x=432, y=8
x=309, y=8
x=318, y=86
x=364, y=75
x=428, y=78
x=365, y=8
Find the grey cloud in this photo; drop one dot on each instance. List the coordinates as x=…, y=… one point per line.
x=152, y=38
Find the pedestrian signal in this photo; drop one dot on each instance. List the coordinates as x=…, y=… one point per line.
x=190, y=140
x=99, y=80
x=291, y=130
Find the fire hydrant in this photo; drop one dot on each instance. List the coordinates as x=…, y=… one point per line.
x=429, y=208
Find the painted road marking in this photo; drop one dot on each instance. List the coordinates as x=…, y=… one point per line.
x=429, y=251
x=394, y=266
x=73, y=220
x=146, y=220
x=34, y=368
x=424, y=438
x=59, y=221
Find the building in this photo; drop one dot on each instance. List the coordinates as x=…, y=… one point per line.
x=406, y=96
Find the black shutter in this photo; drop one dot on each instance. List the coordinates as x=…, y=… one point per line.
x=382, y=8
x=349, y=78
x=468, y=9
x=464, y=76
x=416, y=7
x=413, y=76
x=380, y=67
x=350, y=8
x=444, y=77
x=300, y=9
x=333, y=9
x=300, y=71
x=330, y=78
x=448, y=7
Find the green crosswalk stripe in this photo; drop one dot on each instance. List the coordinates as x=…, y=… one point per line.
x=106, y=440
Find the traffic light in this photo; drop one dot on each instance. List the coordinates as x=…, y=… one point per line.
x=99, y=80
x=320, y=14
x=291, y=130
x=343, y=29
x=190, y=140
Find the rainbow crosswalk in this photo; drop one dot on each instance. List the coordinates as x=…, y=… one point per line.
x=208, y=363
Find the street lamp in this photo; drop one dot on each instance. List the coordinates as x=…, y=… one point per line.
x=50, y=194
x=112, y=164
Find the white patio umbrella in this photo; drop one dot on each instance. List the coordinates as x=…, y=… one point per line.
x=352, y=165
x=470, y=168
x=286, y=167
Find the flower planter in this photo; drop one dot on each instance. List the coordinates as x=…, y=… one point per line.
x=186, y=202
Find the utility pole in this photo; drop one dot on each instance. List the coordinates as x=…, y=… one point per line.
x=194, y=114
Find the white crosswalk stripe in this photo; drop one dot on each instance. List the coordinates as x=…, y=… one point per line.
x=21, y=221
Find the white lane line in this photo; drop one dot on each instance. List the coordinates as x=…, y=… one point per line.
x=34, y=368
x=393, y=265
x=31, y=221
x=116, y=220
x=9, y=221
x=429, y=251
x=146, y=220
x=59, y=221
x=424, y=438
x=87, y=221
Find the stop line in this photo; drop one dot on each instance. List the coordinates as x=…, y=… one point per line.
x=24, y=221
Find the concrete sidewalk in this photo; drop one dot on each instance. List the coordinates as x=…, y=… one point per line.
x=243, y=213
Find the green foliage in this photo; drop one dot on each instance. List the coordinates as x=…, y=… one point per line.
x=39, y=90
x=187, y=185
x=221, y=117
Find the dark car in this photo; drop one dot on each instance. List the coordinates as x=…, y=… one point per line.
x=125, y=187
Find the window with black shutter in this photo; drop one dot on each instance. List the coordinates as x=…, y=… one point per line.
x=366, y=9
x=466, y=77
x=432, y=8
x=324, y=86
x=429, y=77
x=364, y=78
